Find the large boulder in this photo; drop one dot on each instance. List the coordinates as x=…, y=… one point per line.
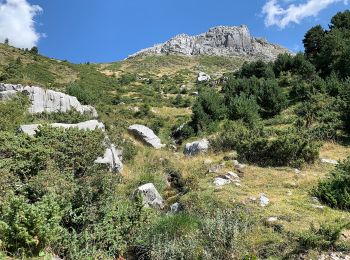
x=113, y=158
x=88, y=125
x=146, y=135
x=46, y=100
x=196, y=147
x=150, y=196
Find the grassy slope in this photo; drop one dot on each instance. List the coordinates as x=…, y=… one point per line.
x=295, y=211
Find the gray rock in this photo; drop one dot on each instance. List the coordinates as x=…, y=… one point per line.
x=329, y=161
x=146, y=135
x=239, y=167
x=218, y=41
x=175, y=208
x=45, y=100
x=7, y=95
x=113, y=158
x=196, y=147
x=264, y=201
x=88, y=125
x=230, y=177
x=150, y=196
x=202, y=77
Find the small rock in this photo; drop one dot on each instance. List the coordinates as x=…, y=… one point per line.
x=272, y=219
x=175, y=208
x=289, y=193
x=329, y=161
x=215, y=169
x=239, y=167
x=297, y=171
x=202, y=77
x=264, y=201
x=317, y=206
x=207, y=161
x=219, y=181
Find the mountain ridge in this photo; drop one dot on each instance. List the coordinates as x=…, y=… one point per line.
x=220, y=40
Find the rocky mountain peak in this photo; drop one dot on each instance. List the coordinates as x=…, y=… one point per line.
x=218, y=41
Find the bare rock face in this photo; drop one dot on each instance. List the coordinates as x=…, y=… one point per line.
x=146, y=135
x=150, y=196
x=45, y=100
x=218, y=41
x=88, y=125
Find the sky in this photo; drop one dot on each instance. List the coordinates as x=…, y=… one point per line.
x=110, y=30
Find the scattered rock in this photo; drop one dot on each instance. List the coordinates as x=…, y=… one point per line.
x=239, y=167
x=175, y=208
x=195, y=93
x=146, y=135
x=230, y=177
x=202, y=77
x=272, y=219
x=46, y=100
x=215, y=168
x=317, y=206
x=289, y=193
x=264, y=201
x=329, y=161
x=334, y=256
x=297, y=171
x=112, y=158
x=196, y=147
x=87, y=125
x=150, y=196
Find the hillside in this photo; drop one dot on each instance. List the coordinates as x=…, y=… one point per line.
x=255, y=184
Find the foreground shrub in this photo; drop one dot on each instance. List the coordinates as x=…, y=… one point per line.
x=335, y=191
x=29, y=228
x=323, y=238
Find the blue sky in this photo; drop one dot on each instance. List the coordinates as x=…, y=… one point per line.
x=110, y=30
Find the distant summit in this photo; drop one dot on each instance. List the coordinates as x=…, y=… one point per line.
x=218, y=41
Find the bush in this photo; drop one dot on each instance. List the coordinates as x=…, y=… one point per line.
x=208, y=109
x=27, y=229
x=13, y=112
x=323, y=238
x=335, y=191
x=243, y=108
x=289, y=149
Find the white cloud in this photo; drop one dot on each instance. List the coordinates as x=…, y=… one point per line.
x=17, y=23
x=275, y=14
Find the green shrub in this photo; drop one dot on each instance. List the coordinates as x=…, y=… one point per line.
x=323, y=238
x=335, y=191
x=208, y=109
x=29, y=228
x=13, y=113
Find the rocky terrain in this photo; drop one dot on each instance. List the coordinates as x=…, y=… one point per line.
x=218, y=41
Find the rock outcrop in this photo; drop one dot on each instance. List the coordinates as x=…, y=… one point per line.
x=46, y=100
x=150, y=196
x=146, y=135
x=196, y=147
x=218, y=41
x=88, y=125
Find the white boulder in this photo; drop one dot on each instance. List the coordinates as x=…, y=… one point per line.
x=203, y=77
x=150, y=196
x=146, y=135
x=46, y=100
x=329, y=161
x=113, y=158
x=196, y=147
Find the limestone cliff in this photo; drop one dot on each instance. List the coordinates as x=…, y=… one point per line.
x=219, y=41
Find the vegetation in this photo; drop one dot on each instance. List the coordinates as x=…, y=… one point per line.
x=275, y=116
